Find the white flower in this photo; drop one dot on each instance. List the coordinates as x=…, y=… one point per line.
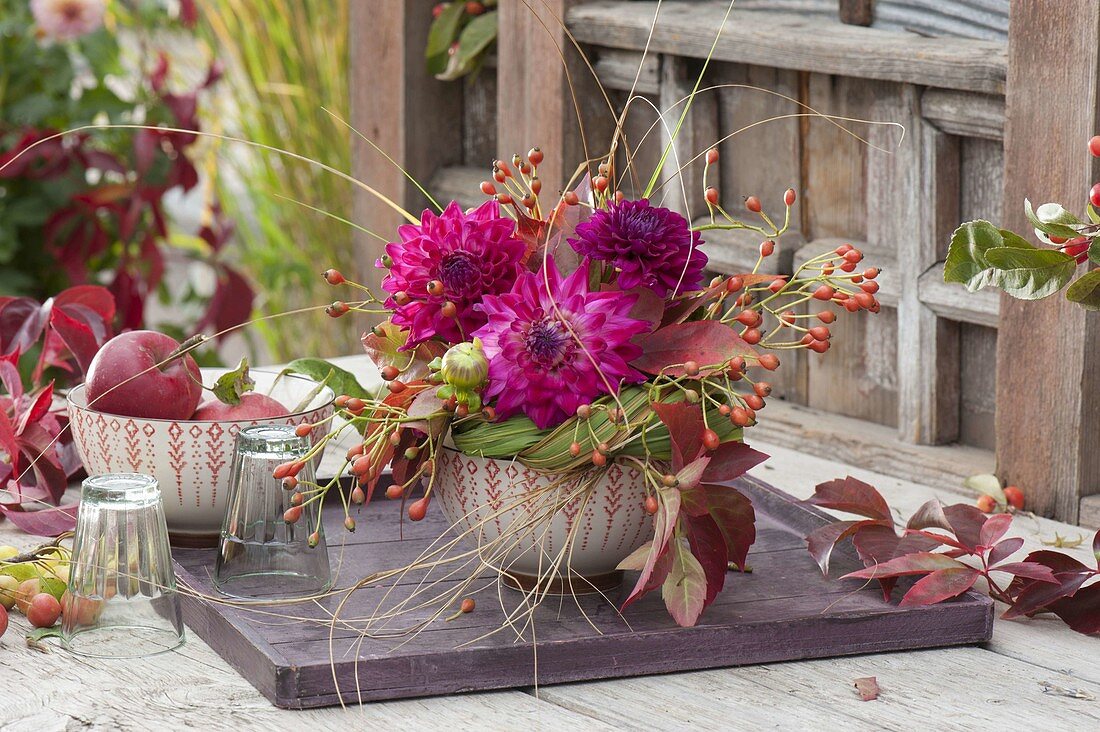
x=67, y=19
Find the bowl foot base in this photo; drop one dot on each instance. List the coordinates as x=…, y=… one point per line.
x=571, y=584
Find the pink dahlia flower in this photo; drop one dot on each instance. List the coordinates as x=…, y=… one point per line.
x=536, y=366
x=472, y=254
x=64, y=20
x=651, y=246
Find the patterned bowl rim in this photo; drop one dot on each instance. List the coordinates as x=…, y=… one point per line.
x=326, y=393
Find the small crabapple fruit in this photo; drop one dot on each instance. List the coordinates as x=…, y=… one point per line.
x=986, y=503
x=1014, y=495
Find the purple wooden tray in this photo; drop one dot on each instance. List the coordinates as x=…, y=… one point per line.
x=783, y=610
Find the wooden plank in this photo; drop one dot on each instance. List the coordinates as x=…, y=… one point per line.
x=977, y=405
x=889, y=279
x=1046, y=427
x=399, y=106
x=479, y=117
x=917, y=691
x=865, y=445
x=736, y=251
x=681, y=187
x=460, y=183
x=1090, y=512
x=857, y=12
x=619, y=70
x=965, y=113
x=784, y=610
x=928, y=348
x=979, y=308
x=546, y=95
x=793, y=41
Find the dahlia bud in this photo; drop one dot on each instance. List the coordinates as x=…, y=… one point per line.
x=464, y=369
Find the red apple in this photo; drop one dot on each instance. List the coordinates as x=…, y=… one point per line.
x=129, y=362
x=252, y=406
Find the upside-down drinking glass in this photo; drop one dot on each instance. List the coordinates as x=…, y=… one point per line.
x=122, y=600
x=260, y=555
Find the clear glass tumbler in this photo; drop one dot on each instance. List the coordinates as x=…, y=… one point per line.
x=122, y=600
x=260, y=555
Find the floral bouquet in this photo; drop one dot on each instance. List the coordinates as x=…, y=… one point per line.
x=571, y=391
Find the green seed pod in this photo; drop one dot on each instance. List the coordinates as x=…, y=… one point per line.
x=464, y=369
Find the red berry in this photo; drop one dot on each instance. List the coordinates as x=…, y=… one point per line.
x=769, y=361
x=734, y=284
x=293, y=514
x=600, y=183
x=853, y=255
x=355, y=405
x=290, y=483
x=349, y=523
x=767, y=248
x=297, y=499
x=1014, y=495
x=303, y=430
x=787, y=317
x=358, y=496
x=504, y=199
x=435, y=288
x=762, y=388
x=467, y=605
x=691, y=368
x=740, y=417
x=575, y=449
x=869, y=287
x=752, y=203
x=824, y=292
x=870, y=273
x=401, y=297
x=418, y=509
x=864, y=299
x=395, y=491
x=361, y=465
x=3, y=620
x=712, y=156
x=843, y=249
x=341, y=401
x=848, y=266
x=820, y=333
x=570, y=198
x=826, y=316
x=598, y=458
x=738, y=365
x=396, y=387
x=711, y=195
x=1094, y=195
x=488, y=188
x=789, y=196
x=818, y=346
x=535, y=156
x=711, y=439
x=724, y=410
x=1094, y=146
x=651, y=505
x=777, y=284
x=448, y=310
x=751, y=336
x=851, y=305
x=336, y=309
x=986, y=504
x=389, y=373
x=749, y=318
x=333, y=277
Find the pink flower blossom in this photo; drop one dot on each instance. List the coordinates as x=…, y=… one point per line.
x=65, y=20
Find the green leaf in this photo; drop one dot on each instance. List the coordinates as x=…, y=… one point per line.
x=966, y=261
x=476, y=37
x=1094, y=249
x=231, y=386
x=1052, y=219
x=685, y=589
x=441, y=35
x=1031, y=274
x=1094, y=215
x=341, y=381
x=988, y=484
x=41, y=633
x=1086, y=290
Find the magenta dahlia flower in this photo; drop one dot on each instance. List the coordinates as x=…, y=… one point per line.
x=472, y=254
x=651, y=246
x=536, y=365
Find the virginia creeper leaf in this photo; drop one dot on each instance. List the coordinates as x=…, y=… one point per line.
x=941, y=585
x=685, y=589
x=731, y=460
x=1081, y=611
x=636, y=561
x=709, y=547
x=851, y=495
x=1004, y=550
x=707, y=342
x=685, y=429
x=994, y=528
x=664, y=524
x=916, y=563
x=735, y=517
x=1030, y=570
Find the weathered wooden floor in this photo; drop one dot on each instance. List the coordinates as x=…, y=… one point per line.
x=995, y=687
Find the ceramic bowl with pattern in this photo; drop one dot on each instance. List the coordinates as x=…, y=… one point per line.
x=190, y=459
x=586, y=537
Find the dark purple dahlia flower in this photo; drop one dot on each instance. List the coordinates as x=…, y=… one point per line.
x=650, y=245
x=472, y=254
x=536, y=366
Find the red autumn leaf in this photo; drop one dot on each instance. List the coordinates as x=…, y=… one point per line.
x=47, y=522
x=36, y=410
x=693, y=502
x=1031, y=596
x=22, y=321
x=1096, y=548
x=929, y=515
x=916, y=563
x=709, y=547
x=731, y=460
x=851, y=495
x=664, y=524
x=1029, y=570
x=685, y=589
x=77, y=337
x=9, y=377
x=823, y=540
x=655, y=574
x=91, y=298
x=994, y=528
x=707, y=342
x=867, y=688
x=1081, y=612
x=690, y=475
x=735, y=517
x=941, y=539
x=685, y=429
x=878, y=542
x=943, y=584
x=1004, y=550
x=966, y=523
x=649, y=307
x=386, y=350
